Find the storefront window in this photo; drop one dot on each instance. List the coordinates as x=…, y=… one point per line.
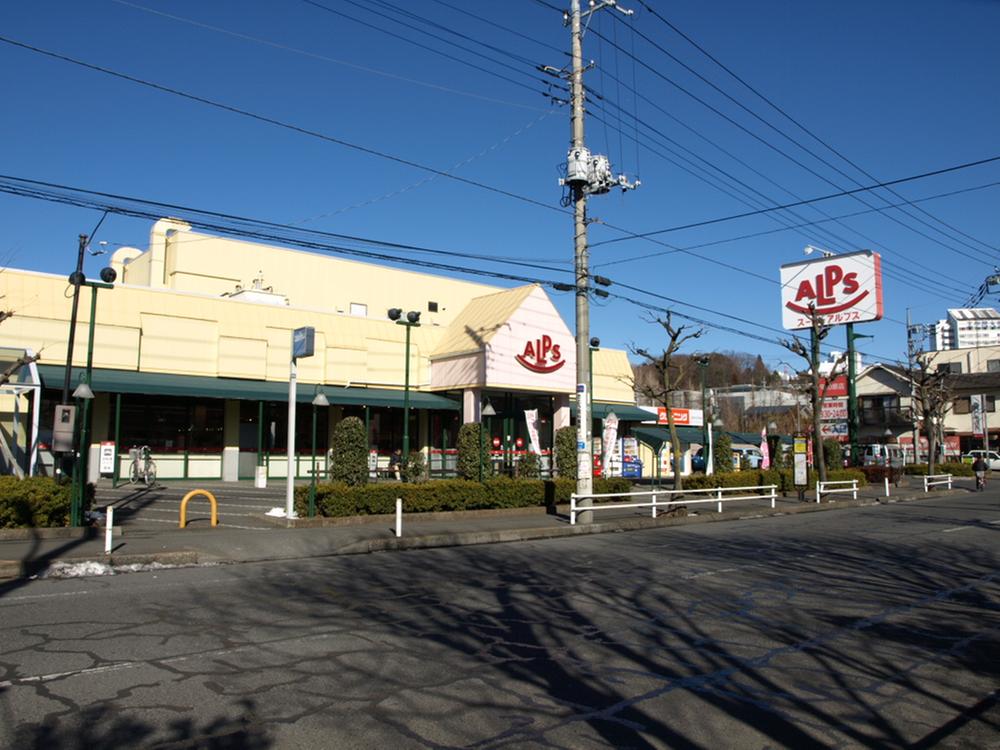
x=172, y=424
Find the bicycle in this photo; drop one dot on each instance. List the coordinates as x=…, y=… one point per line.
x=143, y=466
x=980, y=481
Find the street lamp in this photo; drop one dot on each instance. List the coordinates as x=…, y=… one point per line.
x=486, y=411
x=319, y=399
x=595, y=346
x=83, y=393
x=412, y=320
x=703, y=366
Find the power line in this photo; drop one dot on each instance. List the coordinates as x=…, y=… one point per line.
x=278, y=123
x=805, y=202
x=795, y=121
x=318, y=56
x=757, y=137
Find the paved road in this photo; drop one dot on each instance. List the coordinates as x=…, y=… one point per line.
x=875, y=627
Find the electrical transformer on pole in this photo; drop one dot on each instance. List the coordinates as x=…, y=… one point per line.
x=586, y=174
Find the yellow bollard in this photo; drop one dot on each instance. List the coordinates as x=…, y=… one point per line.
x=211, y=499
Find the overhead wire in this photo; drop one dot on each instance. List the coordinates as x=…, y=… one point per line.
x=758, y=137
x=767, y=100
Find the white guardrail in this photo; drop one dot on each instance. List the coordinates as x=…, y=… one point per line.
x=935, y=479
x=835, y=487
x=766, y=492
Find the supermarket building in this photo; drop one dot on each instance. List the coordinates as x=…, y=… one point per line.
x=192, y=349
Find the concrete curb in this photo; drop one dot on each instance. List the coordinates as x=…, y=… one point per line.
x=16, y=569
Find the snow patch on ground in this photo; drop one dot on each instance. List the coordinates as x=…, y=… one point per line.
x=90, y=568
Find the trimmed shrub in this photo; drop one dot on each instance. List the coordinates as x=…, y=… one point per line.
x=833, y=454
x=415, y=468
x=722, y=452
x=37, y=502
x=529, y=467
x=340, y=499
x=471, y=459
x=349, y=452
x=955, y=469
x=783, y=478
x=566, y=460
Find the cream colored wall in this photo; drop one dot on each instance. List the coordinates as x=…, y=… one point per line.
x=613, y=376
x=163, y=330
x=214, y=265
x=972, y=359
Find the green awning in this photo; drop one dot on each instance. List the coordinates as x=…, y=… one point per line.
x=753, y=438
x=656, y=437
x=162, y=384
x=624, y=412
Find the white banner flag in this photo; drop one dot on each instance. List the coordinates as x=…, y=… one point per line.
x=609, y=438
x=531, y=418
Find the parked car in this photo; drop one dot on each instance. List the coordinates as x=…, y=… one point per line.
x=992, y=458
x=698, y=460
x=881, y=454
x=747, y=458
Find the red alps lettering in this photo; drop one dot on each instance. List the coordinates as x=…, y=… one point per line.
x=829, y=292
x=541, y=356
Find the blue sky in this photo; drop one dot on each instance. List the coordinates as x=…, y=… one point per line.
x=901, y=87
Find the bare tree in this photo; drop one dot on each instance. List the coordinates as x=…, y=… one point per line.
x=932, y=400
x=816, y=389
x=669, y=379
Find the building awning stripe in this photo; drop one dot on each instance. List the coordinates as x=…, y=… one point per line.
x=197, y=386
x=624, y=412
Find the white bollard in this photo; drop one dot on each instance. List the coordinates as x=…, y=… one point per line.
x=109, y=522
x=654, y=505
x=399, y=517
x=720, y=500
x=572, y=509
x=855, y=488
x=887, y=486
x=774, y=494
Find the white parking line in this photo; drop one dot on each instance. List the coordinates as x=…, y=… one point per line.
x=957, y=528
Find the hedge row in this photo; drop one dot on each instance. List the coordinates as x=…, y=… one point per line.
x=956, y=469
x=35, y=502
x=338, y=499
x=783, y=478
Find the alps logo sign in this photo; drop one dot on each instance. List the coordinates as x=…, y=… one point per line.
x=840, y=288
x=541, y=356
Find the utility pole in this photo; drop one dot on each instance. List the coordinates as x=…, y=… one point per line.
x=586, y=175
x=913, y=399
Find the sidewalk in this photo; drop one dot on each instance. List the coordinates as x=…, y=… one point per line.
x=36, y=550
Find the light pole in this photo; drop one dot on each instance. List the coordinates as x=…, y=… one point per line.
x=319, y=399
x=83, y=393
x=486, y=411
x=86, y=394
x=595, y=346
x=703, y=366
x=412, y=320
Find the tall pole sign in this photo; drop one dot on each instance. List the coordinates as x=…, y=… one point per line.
x=303, y=345
x=840, y=290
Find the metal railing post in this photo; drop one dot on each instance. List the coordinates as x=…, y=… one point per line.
x=774, y=495
x=854, y=487
x=887, y=486
x=399, y=517
x=819, y=491
x=572, y=509
x=719, y=495
x=654, y=505
x=949, y=481
x=925, y=483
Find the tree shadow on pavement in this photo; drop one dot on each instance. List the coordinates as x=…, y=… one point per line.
x=105, y=728
x=650, y=639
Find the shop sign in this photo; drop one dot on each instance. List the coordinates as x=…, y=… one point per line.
x=834, y=430
x=840, y=288
x=834, y=411
x=834, y=388
x=107, y=457
x=682, y=417
x=541, y=356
